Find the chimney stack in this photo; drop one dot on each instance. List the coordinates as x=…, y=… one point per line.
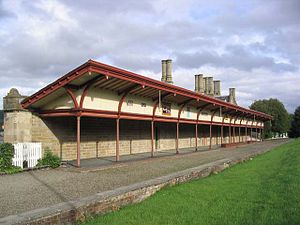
x=205, y=84
x=196, y=83
x=201, y=83
x=210, y=87
x=217, y=88
x=11, y=102
x=232, y=96
x=169, y=71
x=163, y=70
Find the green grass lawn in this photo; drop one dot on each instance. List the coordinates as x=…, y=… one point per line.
x=265, y=190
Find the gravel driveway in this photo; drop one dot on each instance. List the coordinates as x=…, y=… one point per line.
x=31, y=190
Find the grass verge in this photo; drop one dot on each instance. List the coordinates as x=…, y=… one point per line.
x=265, y=190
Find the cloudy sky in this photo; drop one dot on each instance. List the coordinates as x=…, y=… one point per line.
x=251, y=45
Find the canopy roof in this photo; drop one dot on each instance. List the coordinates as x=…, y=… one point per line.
x=104, y=76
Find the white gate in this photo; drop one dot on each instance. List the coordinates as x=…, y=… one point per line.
x=30, y=152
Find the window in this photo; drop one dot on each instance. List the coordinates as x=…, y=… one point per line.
x=204, y=113
x=129, y=103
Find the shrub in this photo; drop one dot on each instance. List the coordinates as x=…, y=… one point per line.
x=7, y=152
x=12, y=170
x=49, y=159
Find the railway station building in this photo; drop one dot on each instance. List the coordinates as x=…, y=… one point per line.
x=97, y=110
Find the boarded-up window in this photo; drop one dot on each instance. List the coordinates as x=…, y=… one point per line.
x=130, y=103
x=204, y=113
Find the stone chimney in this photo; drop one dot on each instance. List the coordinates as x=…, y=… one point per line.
x=163, y=70
x=232, y=96
x=199, y=83
x=169, y=71
x=210, y=87
x=12, y=101
x=217, y=88
x=196, y=83
x=205, y=84
x=18, y=121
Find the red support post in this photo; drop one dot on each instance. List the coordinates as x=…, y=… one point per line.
x=210, y=128
x=239, y=134
x=78, y=141
x=256, y=135
x=210, y=135
x=198, y=114
x=246, y=133
x=196, y=141
x=233, y=134
x=178, y=119
x=177, y=137
x=229, y=132
x=222, y=133
x=117, y=140
x=152, y=138
x=251, y=129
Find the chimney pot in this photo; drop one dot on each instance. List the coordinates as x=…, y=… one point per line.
x=205, y=84
x=163, y=70
x=232, y=98
x=210, y=88
x=217, y=88
x=169, y=71
x=196, y=83
x=201, y=83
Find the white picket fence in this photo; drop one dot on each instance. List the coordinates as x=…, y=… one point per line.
x=30, y=152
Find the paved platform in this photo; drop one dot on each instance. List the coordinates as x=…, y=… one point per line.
x=36, y=189
x=111, y=160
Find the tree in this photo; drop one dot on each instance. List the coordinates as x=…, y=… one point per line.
x=295, y=124
x=1, y=119
x=281, y=120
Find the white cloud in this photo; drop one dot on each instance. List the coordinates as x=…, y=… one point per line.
x=241, y=43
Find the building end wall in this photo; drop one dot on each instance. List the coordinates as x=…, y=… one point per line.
x=17, y=126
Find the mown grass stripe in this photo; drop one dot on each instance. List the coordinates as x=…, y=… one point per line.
x=265, y=190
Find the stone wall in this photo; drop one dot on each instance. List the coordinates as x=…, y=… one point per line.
x=17, y=126
x=98, y=135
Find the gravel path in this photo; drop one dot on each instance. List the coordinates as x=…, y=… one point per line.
x=31, y=190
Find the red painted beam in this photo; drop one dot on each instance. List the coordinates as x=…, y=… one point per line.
x=73, y=97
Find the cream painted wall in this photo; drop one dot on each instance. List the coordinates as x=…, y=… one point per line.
x=136, y=106
x=62, y=102
x=205, y=115
x=192, y=114
x=100, y=99
x=217, y=119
